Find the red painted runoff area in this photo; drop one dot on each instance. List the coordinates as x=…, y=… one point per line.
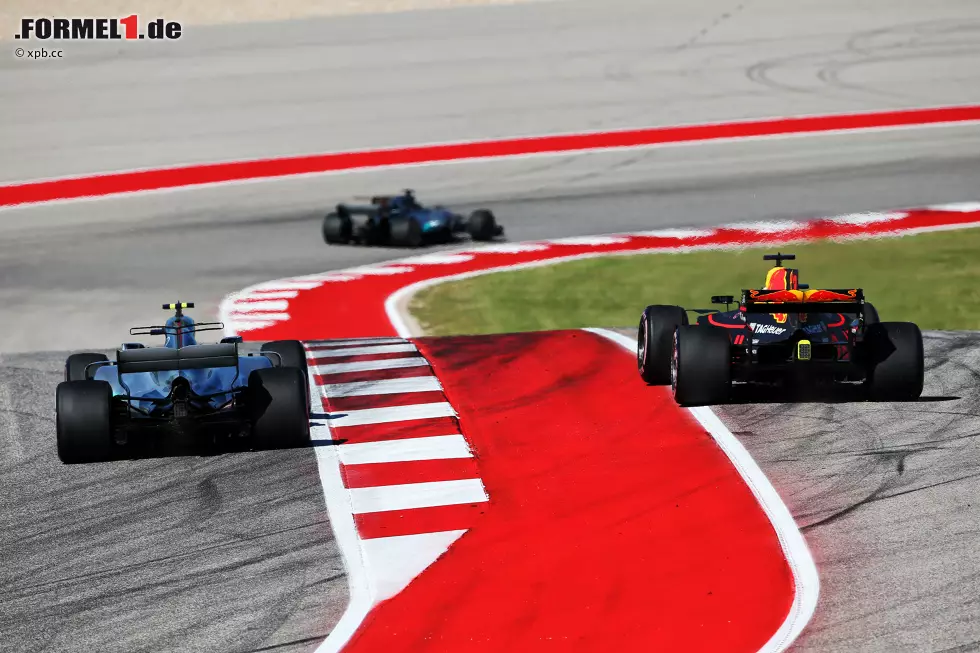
x=615, y=522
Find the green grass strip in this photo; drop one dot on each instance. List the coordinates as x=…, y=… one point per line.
x=931, y=279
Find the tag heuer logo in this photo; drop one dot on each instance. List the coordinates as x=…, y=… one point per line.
x=768, y=329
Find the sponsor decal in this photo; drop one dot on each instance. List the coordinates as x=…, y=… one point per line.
x=815, y=328
x=767, y=329
x=97, y=29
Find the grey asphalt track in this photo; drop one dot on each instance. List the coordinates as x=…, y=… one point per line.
x=157, y=555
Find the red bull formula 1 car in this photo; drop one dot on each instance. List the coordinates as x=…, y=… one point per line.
x=784, y=335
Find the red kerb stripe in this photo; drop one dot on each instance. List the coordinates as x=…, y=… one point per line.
x=419, y=428
x=410, y=471
x=420, y=520
x=385, y=401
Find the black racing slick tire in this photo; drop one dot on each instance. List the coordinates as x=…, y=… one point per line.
x=870, y=314
x=292, y=354
x=406, y=233
x=84, y=422
x=337, y=229
x=76, y=364
x=896, y=361
x=655, y=342
x=277, y=404
x=481, y=225
x=701, y=366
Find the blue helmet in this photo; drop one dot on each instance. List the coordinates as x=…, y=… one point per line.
x=177, y=331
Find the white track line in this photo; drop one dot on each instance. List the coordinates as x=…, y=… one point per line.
x=364, y=416
x=364, y=351
x=367, y=366
x=806, y=580
x=433, y=447
x=338, y=344
x=382, y=387
x=417, y=495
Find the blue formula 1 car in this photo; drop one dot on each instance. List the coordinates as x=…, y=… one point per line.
x=199, y=392
x=401, y=221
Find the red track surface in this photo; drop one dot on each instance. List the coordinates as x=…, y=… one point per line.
x=615, y=523
x=195, y=175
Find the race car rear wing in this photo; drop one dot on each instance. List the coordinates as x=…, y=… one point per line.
x=163, y=359
x=850, y=300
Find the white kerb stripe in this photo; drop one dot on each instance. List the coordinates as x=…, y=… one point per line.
x=382, y=387
x=358, y=351
x=366, y=366
x=391, y=414
x=416, y=495
x=334, y=344
x=433, y=447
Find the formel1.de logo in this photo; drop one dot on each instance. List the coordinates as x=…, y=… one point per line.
x=85, y=29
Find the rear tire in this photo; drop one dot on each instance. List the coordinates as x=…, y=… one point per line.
x=337, y=229
x=293, y=354
x=406, y=233
x=701, y=366
x=896, y=361
x=482, y=225
x=870, y=314
x=84, y=422
x=76, y=364
x=655, y=342
x=277, y=405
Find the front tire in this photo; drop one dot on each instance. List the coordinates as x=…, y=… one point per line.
x=482, y=225
x=277, y=405
x=896, y=361
x=701, y=367
x=84, y=422
x=655, y=342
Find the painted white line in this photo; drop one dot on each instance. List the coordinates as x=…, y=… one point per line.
x=806, y=580
x=385, y=415
x=363, y=351
x=262, y=305
x=382, y=387
x=507, y=248
x=957, y=207
x=285, y=284
x=437, y=259
x=395, y=561
x=433, y=447
x=588, y=240
x=368, y=366
x=265, y=294
x=245, y=325
x=764, y=227
x=336, y=344
x=869, y=218
x=380, y=270
x=677, y=233
x=417, y=495
x=242, y=314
